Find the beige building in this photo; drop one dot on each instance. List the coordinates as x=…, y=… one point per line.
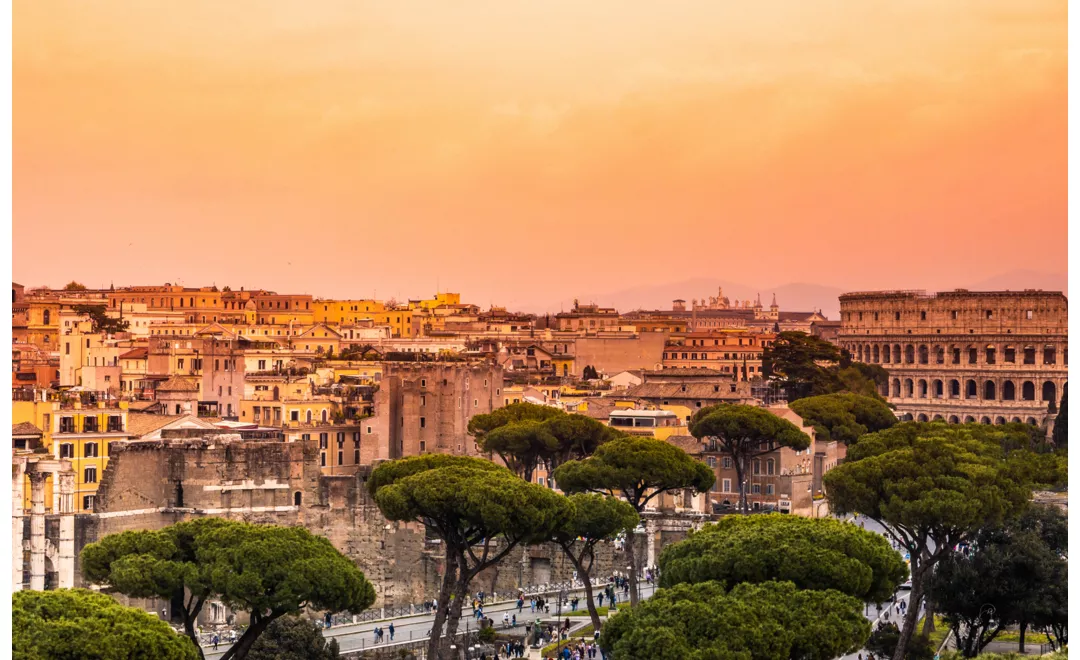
x=964, y=356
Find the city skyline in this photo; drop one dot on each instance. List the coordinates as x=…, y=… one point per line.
x=347, y=147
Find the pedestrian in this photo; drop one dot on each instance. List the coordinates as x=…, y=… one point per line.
x=216, y=640
x=521, y=603
x=391, y=629
x=513, y=621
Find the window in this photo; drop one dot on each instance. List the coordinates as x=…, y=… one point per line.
x=769, y=466
x=115, y=424
x=90, y=450
x=88, y=502
x=67, y=348
x=956, y=356
x=262, y=365
x=423, y=382
x=727, y=463
x=1029, y=314
x=1010, y=354
x=757, y=466
x=423, y=422
x=756, y=489
x=973, y=356
x=922, y=316
x=324, y=440
x=898, y=316
x=340, y=457
x=423, y=400
x=1029, y=355
x=304, y=437
x=727, y=485
x=90, y=475
x=475, y=403
x=989, y=314
x=954, y=315
x=90, y=425
x=340, y=439
x=769, y=487
x=180, y=363
x=356, y=438
x=67, y=424
x=322, y=459
x=67, y=450
x=423, y=445
x=294, y=416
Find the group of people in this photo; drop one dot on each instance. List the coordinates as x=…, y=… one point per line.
x=580, y=651
x=514, y=649
x=380, y=633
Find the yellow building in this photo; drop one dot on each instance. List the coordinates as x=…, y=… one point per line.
x=344, y=312
x=78, y=433
x=288, y=413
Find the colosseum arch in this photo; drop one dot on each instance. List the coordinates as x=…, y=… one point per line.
x=898, y=355
x=1016, y=420
x=999, y=421
x=906, y=417
x=1028, y=391
x=923, y=393
x=896, y=388
x=971, y=390
x=909, y=388
x=1008, y=391
x=989, y=390
x=984, y=420
x=885, y=354
x=969, y=419
x=877, y=354
x=990, y=353
x=953, y=419
x=924, y=354
x=922, y=417
x=858, y=354
x=1049, y=392
x=939, y=355
x=909, y=354
x=954, y=389
x=938, y=389
x=1031, y=420
x=938, y=418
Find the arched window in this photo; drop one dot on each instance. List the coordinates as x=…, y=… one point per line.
x=909, y=388
x=939, y=389
x=1031, y=420
x=757, y=466
x=972, y=390
x=953, y=419
x=296, y=498
x=991, y=355
x=1015, y=420
x=939, y=355
x=922, y=388
x=922, y=417
x=1049, y=392
x=984, y=420
x=770, y=466
x=989, y=390
x=1008, y=391
x=45, y=317
x=954, y=389
x=885, y=351
x=309, y=416
x=969, y=419
x=896, y=387
x=1028, y=391
x=877, y=354
x=324, y=416
x=924, y=354
x=999, y=421
x=909, y=354
x=938, y=418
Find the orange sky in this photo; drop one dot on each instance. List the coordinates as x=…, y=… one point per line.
x=522, y=152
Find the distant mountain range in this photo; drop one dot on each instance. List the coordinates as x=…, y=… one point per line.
x=794, y=297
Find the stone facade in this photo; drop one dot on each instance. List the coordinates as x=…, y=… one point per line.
x=425, y=408
x=964, y=356
x=192, y=473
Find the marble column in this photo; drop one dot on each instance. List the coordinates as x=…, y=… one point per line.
x=66, y=550
x=18, y=477
x=650, y=541
x=37, y=531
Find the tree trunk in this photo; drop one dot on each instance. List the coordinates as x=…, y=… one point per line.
x=586, y=582
x=740, y=470
x=1023, y=631
x=631, y=557
x=461, y=592
x=189, y=630
x=528, y=469
x=911, y=619
x=442, y=610
x=240, y=649
x=928, y=625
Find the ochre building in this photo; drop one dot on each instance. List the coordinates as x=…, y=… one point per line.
x=964, y=356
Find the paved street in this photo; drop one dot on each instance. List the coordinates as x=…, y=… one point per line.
x=353, y=637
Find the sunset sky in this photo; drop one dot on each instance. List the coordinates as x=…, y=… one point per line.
x=521, y=152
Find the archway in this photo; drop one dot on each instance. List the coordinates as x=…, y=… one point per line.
x=989, y=390
x=954, y=389
x=953, y=419
x=909, y=388
x=876, y=353
x=1008, y=391
x=924, y=354
x=972, y=390
x=922, y=389
x=984, y=420
x=939, y=355
x=999, y=421
x=909, y=354
x=1028, y=391
x=1049, y=392
x=939, y=389
x=922, y=417
x=1031, y=420
x=939, y=418
x=896, y=388
x=885, y=354
x=969, y=419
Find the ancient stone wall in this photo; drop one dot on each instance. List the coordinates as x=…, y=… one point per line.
x=990, y=357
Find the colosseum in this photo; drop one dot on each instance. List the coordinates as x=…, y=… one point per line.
x=964, y=356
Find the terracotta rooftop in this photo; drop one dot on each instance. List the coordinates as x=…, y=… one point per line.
x=139, y=424
x=135, y=354
x=687, y=443
x=25, y=428
x=705, y=391
x=178, y=384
